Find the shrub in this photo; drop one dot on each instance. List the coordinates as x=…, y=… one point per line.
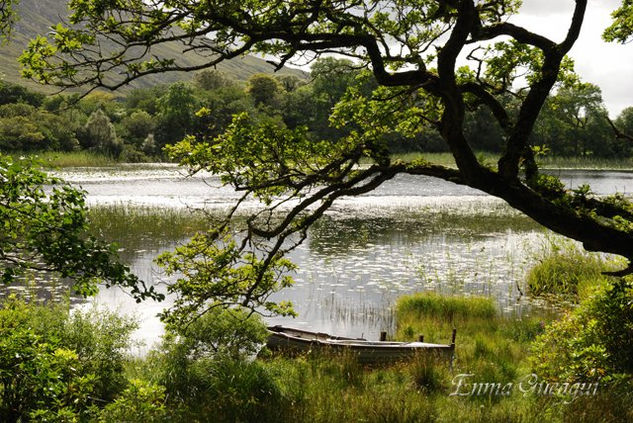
x=207, y=368
x=38, y=377
x=187, y=353
x=101, y=340
x=594, y=341
x=54, y=364
x=141, y=402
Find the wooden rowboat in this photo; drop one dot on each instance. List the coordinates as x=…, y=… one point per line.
x=369, y=352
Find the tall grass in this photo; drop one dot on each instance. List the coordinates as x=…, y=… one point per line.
x=449, y=309
x=547, y=162
x=58, y=159
x=566, y=271
x=489, y=346
x=135, y=226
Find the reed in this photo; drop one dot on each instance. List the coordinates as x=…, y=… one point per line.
x=60, y=159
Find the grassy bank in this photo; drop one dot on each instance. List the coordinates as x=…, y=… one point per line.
x=548, y=162
x=207, y=370
x=335, y=388
x=58, y=159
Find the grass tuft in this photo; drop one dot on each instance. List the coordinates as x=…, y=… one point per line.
x=429, y=304
x=566, y=271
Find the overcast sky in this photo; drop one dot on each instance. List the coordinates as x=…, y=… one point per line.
x=608, y=65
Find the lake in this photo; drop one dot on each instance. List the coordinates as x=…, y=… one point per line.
x=411, y=234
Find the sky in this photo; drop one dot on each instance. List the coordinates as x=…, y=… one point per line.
x=608, y=65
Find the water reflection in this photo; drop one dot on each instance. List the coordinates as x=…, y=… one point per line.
x=354, y=263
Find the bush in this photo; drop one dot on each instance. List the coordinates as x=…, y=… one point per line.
x=207, y=368
x=141, y=402
x=129, y=154
x=101, y=340
x=39, y=378
x=54, y=365
x=187, y=352
x=594, y=341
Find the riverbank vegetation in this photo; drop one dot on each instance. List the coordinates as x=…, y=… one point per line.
x=548, y=161
x=64, y=159
x=74, y=366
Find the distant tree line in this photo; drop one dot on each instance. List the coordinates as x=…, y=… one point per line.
x=136, y=127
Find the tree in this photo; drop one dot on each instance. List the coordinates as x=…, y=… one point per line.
x=45, y=229
x=265, y=90
x=99, y=134
x=8, y=17
x=211, y=80
x=290, y=82
x=176, y=110
x=574, y=122
x=23, y=127
x=13, y=93
x=138, y=125
x=410, y=48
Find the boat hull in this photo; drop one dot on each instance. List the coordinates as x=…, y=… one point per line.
x=369, y=352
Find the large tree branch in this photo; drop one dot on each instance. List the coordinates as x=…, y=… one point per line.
x=520, y=34
x=538, y=93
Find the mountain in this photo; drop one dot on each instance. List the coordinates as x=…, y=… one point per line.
x=37, y=17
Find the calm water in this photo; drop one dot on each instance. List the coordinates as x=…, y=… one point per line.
x=411, y=234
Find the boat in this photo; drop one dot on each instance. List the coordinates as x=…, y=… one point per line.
x=298, y=341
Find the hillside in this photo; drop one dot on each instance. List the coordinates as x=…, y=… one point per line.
x=37, y=16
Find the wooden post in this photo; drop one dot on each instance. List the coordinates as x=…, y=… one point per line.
x=383, y=336
x=453, y=336
x=421, y=338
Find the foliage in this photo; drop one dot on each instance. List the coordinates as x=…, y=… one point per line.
x=591, y=342
x=621, y=28
x=233, y=333
x=211, y=80
x=46, y=230
x=222, y=274
x=99, y=135
x=38, y=379
x=265, y=90
x=14, y=93
x=8, y=17
x=175, y=113
x=140, y=402
x=55, y=366
x=138, y=126
x=206, y=368
x=101, y=340
x=574, y=122
x=24, y=128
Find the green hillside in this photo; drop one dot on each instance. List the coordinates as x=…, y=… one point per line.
x=37, y=16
